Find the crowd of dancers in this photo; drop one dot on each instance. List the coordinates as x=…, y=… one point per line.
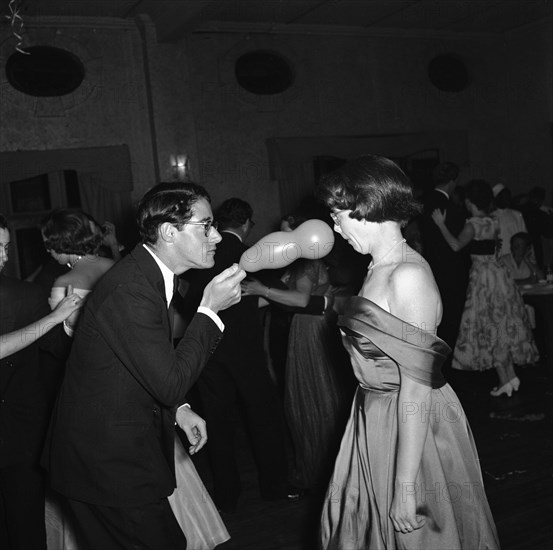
x=136, y=341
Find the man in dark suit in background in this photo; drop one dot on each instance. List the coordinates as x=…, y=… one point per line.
x=110, y=449
x=26, y=395
x=237, y=372
x=450, y=268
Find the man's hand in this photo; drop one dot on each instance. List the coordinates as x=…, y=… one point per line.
x=223, y=290
x=193, y=426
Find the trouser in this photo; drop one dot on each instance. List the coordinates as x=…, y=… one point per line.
x=147, y=527
x=22, y=525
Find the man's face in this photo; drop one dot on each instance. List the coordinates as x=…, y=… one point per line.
x=4, y=246
x=192, y=248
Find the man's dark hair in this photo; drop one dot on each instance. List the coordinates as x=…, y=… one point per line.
x=445, y=172
x=4, y=222
x=233, y=213
x=167, y=203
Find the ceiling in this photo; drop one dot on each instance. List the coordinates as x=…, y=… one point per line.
x=174, y=18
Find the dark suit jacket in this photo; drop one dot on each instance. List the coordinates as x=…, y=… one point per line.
x=243, y=328
x=112, y=432
x=24, y=397
x=450, y=268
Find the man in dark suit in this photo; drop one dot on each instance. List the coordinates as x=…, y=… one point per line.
x=25, y=404
x=237, y=373
x=110, y=446
x=450, y=268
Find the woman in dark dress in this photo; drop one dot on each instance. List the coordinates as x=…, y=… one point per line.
x=316, y=395
x=407, y=473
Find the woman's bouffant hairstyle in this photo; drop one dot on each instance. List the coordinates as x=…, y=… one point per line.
x=374, y=189
x=480, y=193
x=167, y=203
x=68, y=231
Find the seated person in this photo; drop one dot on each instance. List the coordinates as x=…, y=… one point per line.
x=519, y=263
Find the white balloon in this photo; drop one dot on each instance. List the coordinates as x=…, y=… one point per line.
x=312, y=240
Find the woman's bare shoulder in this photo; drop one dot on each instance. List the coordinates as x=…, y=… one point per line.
x=414, y=293
x=64, y=280
x=412, y=273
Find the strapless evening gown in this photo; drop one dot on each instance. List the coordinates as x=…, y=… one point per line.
x=449, y=488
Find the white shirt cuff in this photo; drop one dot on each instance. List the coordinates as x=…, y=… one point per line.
x=187, y=405
x=213, y=316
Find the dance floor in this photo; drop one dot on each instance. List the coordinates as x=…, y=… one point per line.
x=514, y=439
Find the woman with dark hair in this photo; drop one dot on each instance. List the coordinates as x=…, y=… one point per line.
x=495, y=331
x=70, y=240
x=407, y=474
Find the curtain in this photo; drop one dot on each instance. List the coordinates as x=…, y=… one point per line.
x=104, y=175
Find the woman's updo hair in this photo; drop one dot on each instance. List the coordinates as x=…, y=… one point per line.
x=480, y=193
x=374, y=189
x=69, y=231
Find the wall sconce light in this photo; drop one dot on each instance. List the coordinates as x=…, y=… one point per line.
x=181, y=167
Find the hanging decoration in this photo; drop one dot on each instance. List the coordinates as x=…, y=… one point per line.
x=16, y=23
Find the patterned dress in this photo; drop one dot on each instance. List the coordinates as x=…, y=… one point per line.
x=495, y=329
x=449, y=489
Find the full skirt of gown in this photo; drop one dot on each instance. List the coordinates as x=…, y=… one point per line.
x=449, y=489
x=495, y=328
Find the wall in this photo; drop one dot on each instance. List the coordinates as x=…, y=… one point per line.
x=530, y=115
x=164, y=99
x=364, y=85
x=109, y=108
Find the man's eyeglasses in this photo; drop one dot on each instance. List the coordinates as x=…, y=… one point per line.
x=208, y=224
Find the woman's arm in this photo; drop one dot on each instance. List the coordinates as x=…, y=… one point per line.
x=18, y=339
x=414, y=299
x=455, y=243
x=298, y=298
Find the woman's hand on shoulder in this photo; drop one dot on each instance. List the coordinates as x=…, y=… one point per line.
x=67, y=306
x=439, y=217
